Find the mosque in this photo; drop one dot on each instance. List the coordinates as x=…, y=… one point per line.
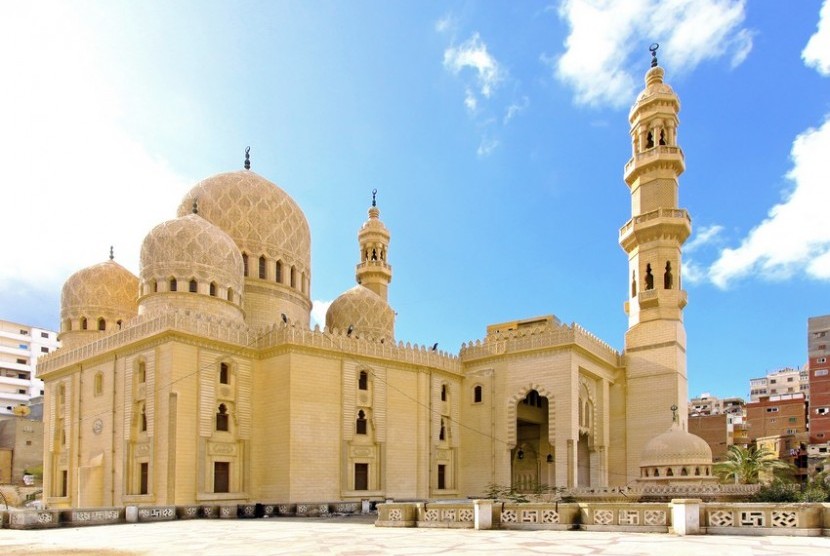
x=201, y=381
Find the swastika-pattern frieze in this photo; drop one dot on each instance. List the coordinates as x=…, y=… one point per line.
x=784, y=519
x=603, y=517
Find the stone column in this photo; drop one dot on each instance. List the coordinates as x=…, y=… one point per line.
x=685, y=516
x=483, y=510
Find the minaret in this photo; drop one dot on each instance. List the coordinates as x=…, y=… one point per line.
x=655, y=344
x=374, y=271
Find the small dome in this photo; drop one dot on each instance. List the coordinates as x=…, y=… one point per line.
x=105, y=290
x=191, y=248
x=676, y=447
x=365, y=311
x=655, y=84
x=261, y=218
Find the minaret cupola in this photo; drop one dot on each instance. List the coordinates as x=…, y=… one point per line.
x=374, y=271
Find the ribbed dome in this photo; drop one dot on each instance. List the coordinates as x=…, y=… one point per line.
x=655, y=84
x=261, y=218
x=103, y=290
x=676, y=447
x=191, y=248
x=365, y=311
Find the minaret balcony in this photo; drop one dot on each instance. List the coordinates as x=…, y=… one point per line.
x=656, y=158
x=381, y=266
x=659, y=223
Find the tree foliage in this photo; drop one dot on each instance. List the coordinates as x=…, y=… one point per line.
x=747, y=465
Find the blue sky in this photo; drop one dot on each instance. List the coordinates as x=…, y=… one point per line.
x=495, y=133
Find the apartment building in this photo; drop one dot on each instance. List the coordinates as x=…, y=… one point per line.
x=788, y=380
x=20, y=347
x=818, y=338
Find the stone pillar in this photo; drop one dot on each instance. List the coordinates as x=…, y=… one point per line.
x=685, y=516
x=131, y=514
x=483, y=510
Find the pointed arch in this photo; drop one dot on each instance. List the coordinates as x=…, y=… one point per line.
x=512, y=404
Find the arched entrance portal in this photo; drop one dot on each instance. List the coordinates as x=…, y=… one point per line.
x=529, y=459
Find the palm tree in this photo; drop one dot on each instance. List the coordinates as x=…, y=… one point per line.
x=746, y=465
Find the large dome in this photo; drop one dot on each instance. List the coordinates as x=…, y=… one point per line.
x=676, y=447
x=364, y=311
x=191, y=255
x=95, y=299
x=261, y=218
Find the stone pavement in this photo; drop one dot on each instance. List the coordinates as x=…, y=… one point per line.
x=357, y=536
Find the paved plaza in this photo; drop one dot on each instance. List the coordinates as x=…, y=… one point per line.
x=357, y=536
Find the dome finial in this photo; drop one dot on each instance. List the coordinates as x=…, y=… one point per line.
x=374, y=197
x=653, y=49
x=674, y=413
x=195, y=207
x=248, y=158
x=112, y=254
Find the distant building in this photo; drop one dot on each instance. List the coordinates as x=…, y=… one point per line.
x=21, y=441
x=818, y=451
x=20, y=347
x=707, y=404
x=781, y=415
x=783, y=381
x=818, y=337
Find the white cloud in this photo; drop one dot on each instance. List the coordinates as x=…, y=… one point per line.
x=705, y=236
x=445, y=24
x=794, y=237
x=473, y=54
x=487, y=146
x=319, y=308
x=817, y=52
x=470, y=100
x=515, y=109
x=605, y=36
x=76, y=181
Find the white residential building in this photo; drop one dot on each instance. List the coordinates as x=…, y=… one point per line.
x=783, y=381
x=20, y=347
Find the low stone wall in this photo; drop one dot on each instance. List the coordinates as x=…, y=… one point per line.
x=34, y=519
x=694, y=517
x=92, y=516
x=766, y=519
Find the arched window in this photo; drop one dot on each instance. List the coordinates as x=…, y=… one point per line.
x=278, y=272
x=669, y=472
x=99, y=384
x=477, y=392
x=443, y=392
x=684, y=472
x=224, y=374
x=173, y=285
x=262, y=268
x=650, y=140
x=154, y=286
x=360, y=424
x=193, y=286
x=442, y=432
x=245, y=264
x=649, y=278
x=102, y=324
x=633, y=284
x=363, y=381
x=667, y=276
x=142, y=419
x=83, y=323
x=142, y=372
x=118, y=323
x=293, y=277
x=212, y=289
x=302, y=282
x=222, y=418
x=656, y=472
x=230, y=294
x=697, y=471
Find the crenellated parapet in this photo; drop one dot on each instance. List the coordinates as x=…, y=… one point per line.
x=536, y=338
x=354, y=345
x=209, y=328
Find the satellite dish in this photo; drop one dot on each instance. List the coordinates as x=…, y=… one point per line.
x=21, y=410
